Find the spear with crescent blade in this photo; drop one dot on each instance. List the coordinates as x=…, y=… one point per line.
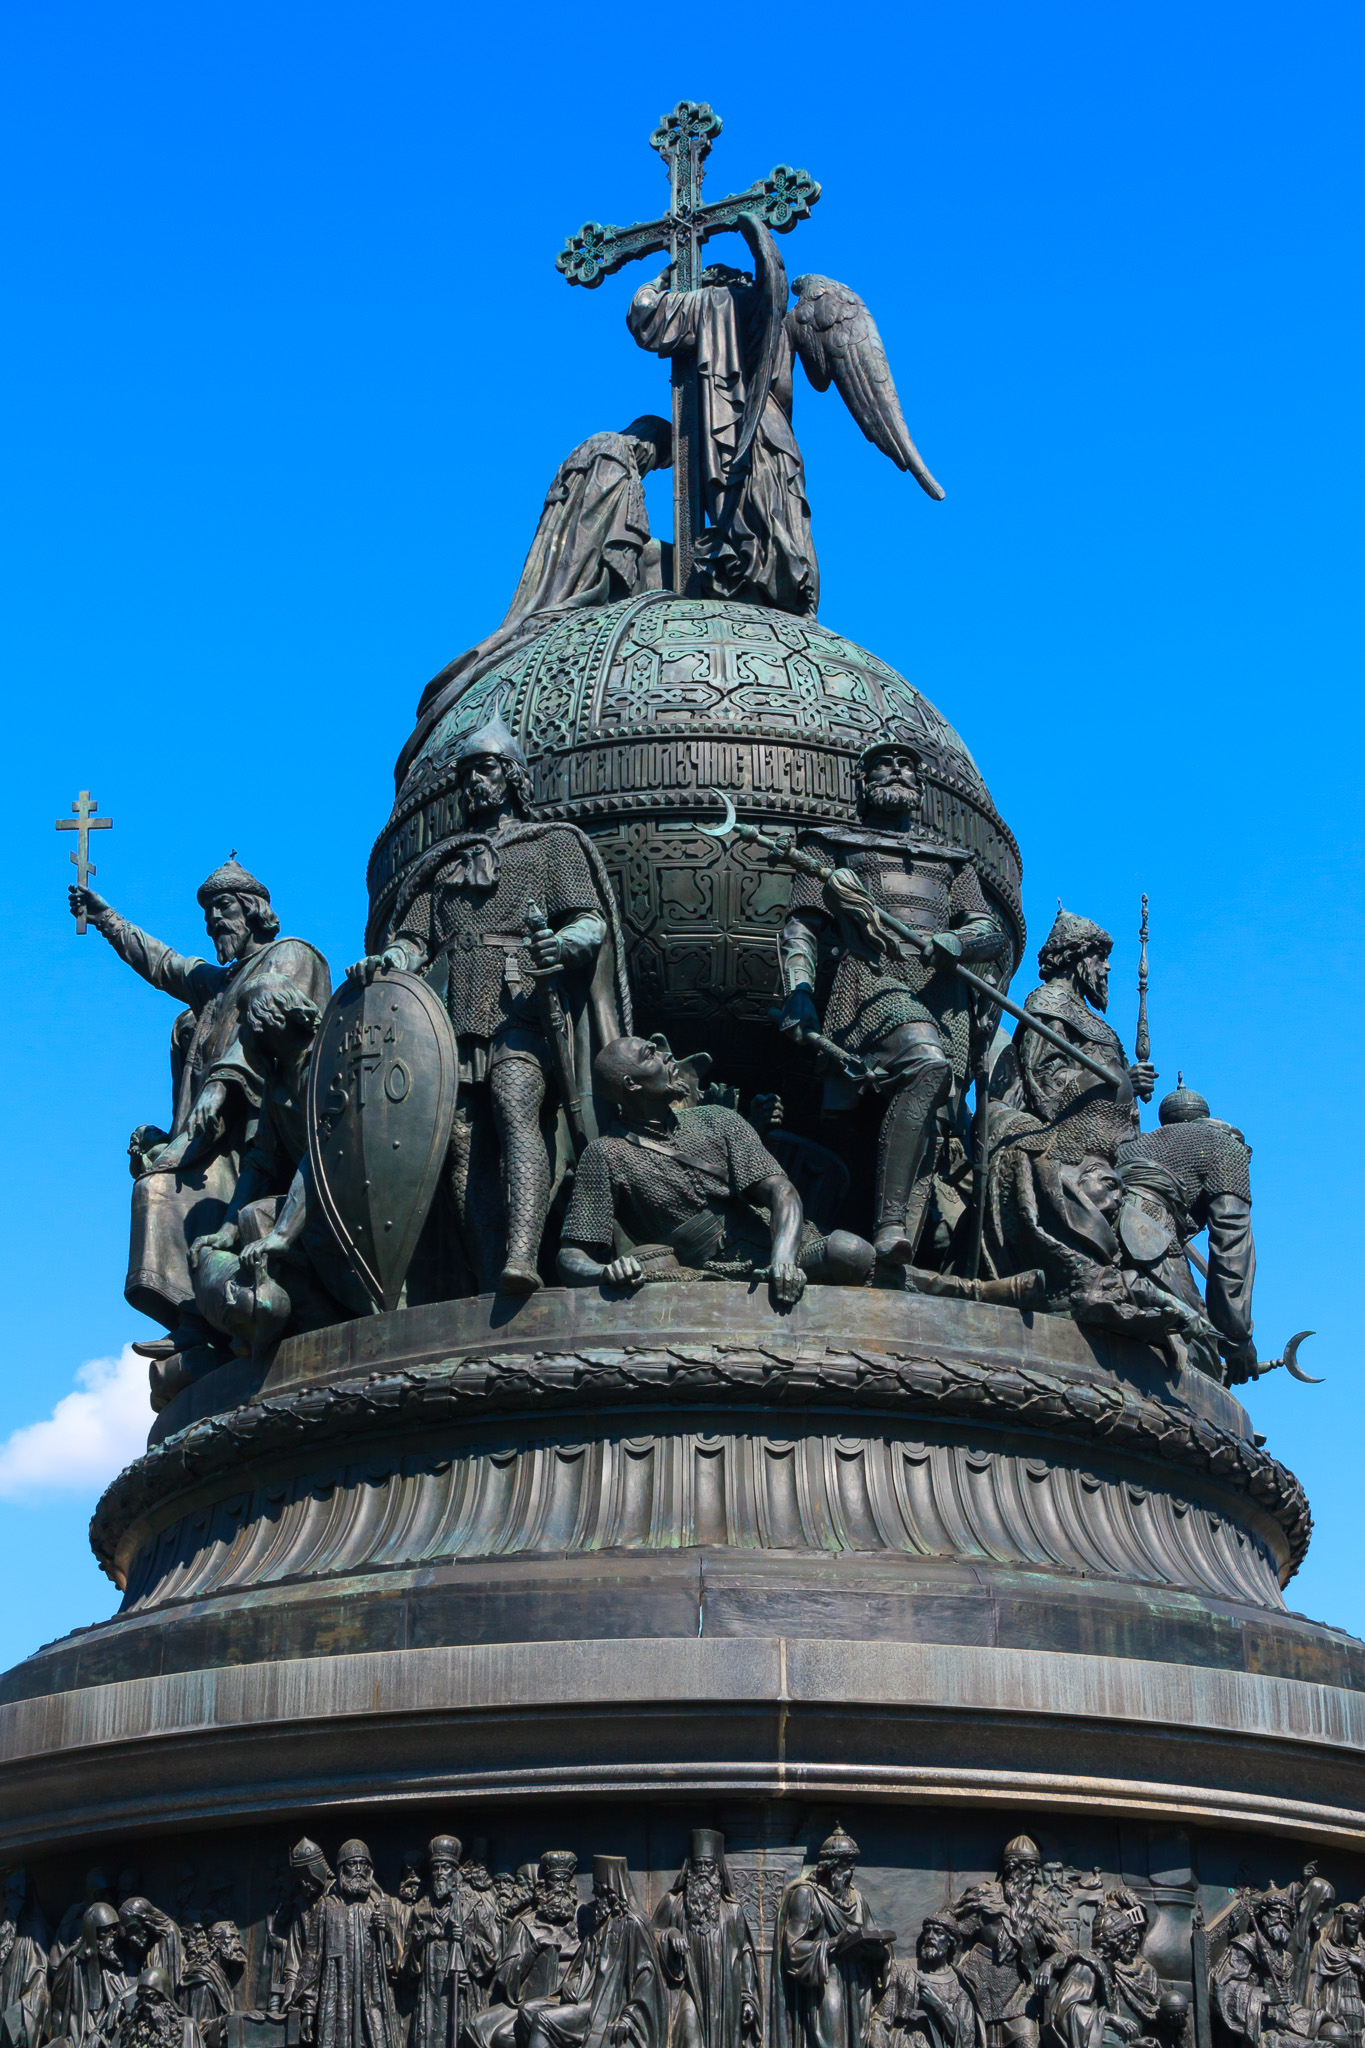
x=849, y=895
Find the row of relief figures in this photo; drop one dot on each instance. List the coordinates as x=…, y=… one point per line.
x=1039, y=1956
x=473, y=1111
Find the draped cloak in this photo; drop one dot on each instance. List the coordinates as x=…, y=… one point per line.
x=345, y=1982
x=719, y=1972
x=819, y=1999
x=590, y=548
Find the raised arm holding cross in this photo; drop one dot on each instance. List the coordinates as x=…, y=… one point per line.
x=83, y=824
x=786, y=196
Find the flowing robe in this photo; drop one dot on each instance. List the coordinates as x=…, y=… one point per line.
x=923, y=2009
x=717, y=1965
x=1335, y=1971
x=1092, y=1991
x=23, y=1983
x=345, y=1982
x=451, y=1969
x=1253, y=1993
x=615, y=1975
x=759, y=548
x=821, y=1999
x=591, y=547
x=1010, y=1943
x=85, y=1991
x=171, y=1206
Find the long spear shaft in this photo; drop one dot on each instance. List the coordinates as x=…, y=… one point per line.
x=851, y=896
x=1142, y=1044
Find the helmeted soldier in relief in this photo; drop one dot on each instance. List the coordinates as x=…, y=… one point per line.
x=185, y=1179
x=899, y=1009
x=1008, y=1935
x=829, y=1956
x=709, y=1955
x=517, y=921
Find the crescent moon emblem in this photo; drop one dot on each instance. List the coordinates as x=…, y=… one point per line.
x=1291, y=1360
x=727, y=824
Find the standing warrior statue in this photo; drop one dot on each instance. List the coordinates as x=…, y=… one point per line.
x=731, y=339
x=494, y=912
x=889, y=1005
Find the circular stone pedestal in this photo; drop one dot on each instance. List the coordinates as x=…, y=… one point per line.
x=595, y=1570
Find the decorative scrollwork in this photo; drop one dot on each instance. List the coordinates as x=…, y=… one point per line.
x=787, y=197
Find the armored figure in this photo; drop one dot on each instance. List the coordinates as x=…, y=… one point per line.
x=1113, y=1995
x=1008, y=1936
x=897, y=1008
x=91, y=1979
x=1084, y=1117
x=539, y=1947
x=591, y=546
x=613, y=1994
x=829, y=1956
x=1195, y=1174
x=497, y=913
x=452, y=1949
x=184, y=1180
x=693, y=1187
x=287, y=1924
x=708, y=1952
x=345, y=1985
x=924, y=2004
x=1252, y=1986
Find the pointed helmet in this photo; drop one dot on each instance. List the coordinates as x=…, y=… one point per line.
x=231, y=879
x=493, y=737
x=1070, y=937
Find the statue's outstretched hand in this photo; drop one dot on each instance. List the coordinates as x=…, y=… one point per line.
x=85, y=902
x=205, y=1120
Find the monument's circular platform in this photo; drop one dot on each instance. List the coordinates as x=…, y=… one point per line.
x=675, y=1547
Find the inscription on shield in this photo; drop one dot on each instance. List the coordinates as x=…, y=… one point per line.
x=381, y=1095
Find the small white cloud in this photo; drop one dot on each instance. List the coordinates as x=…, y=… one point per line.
x=90, y=1435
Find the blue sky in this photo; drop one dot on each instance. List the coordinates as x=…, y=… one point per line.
x=287, y=367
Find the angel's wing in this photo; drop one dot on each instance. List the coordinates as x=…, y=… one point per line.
x=837, y=341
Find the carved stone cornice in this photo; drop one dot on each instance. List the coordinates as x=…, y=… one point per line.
x=603, y=1389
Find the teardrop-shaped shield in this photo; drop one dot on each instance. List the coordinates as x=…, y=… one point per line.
x=381, y=1097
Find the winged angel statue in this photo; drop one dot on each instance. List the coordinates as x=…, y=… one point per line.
x=757, y=546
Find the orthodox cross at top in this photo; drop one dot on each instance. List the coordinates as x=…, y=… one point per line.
x=83, y=824
x=683, y=139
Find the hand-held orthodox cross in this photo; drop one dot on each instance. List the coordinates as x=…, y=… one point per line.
x=683, y=139
x=83, y=824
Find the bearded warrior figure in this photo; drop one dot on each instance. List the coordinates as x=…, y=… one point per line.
x=829, y=1957
x=1008, y=1937
x=709, y=1953
x=897, y=1006
x=492, y=915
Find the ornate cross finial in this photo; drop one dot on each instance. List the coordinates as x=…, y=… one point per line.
x=683, y=139
x=83, y=824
